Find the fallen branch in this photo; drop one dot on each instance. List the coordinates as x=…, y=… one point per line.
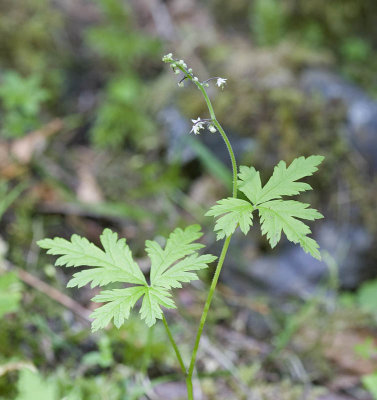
x=51, y=292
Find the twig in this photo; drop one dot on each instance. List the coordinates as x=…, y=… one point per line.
x=51, y=292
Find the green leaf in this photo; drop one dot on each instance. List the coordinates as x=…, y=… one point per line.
x=366, y=296
x=180, y=272
x=114, y=264
x=279, y=215
x=177, y=263
x=249, y=183
x=179, y=244
x=118, y=307
x=10, y=293
x=234, y=212
x=283, y=180
x=31, y=386
x=7, y=197
x=153, y=300
x=370, y=383
x=276, y=215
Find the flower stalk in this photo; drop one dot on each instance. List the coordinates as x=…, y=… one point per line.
x=213, y=125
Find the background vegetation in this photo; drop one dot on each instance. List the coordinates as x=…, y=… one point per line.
x=94, y=132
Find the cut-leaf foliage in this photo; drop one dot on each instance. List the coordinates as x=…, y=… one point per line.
x=177, y=263
x=283, y=181
x=276, y=215
x=234, y=212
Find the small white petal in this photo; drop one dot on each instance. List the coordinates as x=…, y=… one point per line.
x=221, y=82
x=197, y=125
x=195, y=79
x=195, y=129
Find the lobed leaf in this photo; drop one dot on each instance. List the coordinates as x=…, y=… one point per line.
x=177, y=263
x=178, y=245
x=182, y=271
x=120, y=303
x=279, y=215
x=249, y=183
x=234, y=212
x=283, y=180
x=276, y=215
x=153, y=299
x=115, y=264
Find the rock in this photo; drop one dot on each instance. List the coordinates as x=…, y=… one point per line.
x=361, y=109
x=181, y=144
x=292, y=272
x=177, y=127
x=333, y=396
x=171, y=391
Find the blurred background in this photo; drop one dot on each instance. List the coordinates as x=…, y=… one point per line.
x=94, y=133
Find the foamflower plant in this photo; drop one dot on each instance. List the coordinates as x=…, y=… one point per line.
x=178, y=261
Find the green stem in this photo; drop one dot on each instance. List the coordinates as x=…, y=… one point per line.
x=226, y=242
x=174, y=344
x=207, y=305
x=208, y=101
x=231, y=154
x=225, y=245
x=190, y=392
x=223, y=135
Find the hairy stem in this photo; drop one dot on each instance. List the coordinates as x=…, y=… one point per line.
x=223, y=135
x=231, y=154
x=223, y=251
x=207, y=305
x=174, y=344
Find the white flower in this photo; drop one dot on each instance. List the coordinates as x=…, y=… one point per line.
x=196, y=129
x=180, y=84
x=167, y=58
x=182, y=64
x=221, y=82
x=211, y=128
x=197, y=126
x=195, y=79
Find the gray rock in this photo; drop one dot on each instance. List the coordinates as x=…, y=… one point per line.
x=361, y=109
x=171, y=391
x=184, y=147
x=176, y=127
x=289, y=271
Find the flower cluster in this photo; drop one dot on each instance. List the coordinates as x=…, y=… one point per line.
x=168, y=58
x=198, y=124
x=180, y=66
